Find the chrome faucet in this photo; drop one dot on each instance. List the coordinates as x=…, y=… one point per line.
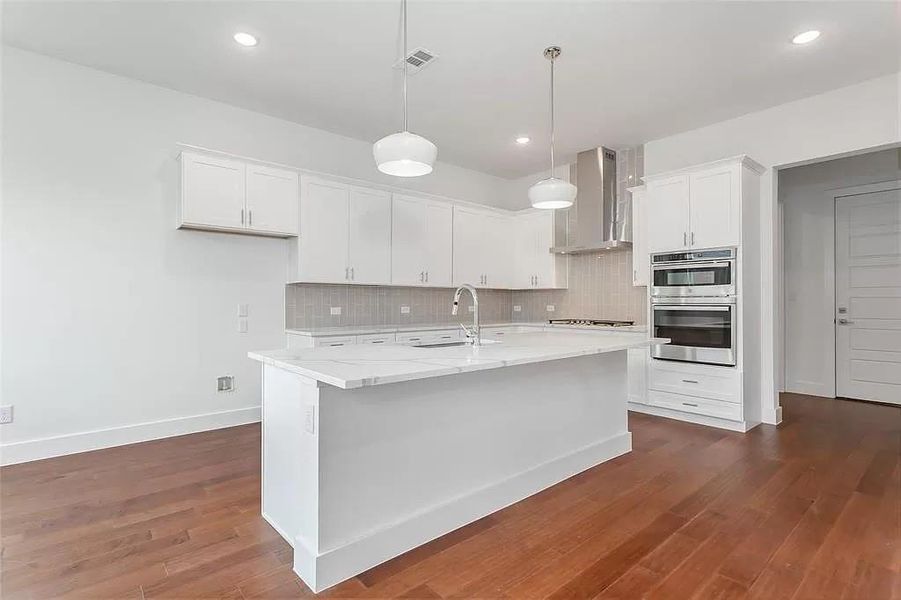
x=473, y=334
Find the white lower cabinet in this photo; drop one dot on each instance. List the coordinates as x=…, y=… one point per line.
x=706, y=390
x=414, y=338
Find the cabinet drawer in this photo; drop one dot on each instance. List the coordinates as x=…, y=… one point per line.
x=494, y=334
x=334, y=341
x=699, y=406
x=717, y=383
x=376, y=338
x=428, y=337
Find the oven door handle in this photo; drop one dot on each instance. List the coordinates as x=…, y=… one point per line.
x=716, y=308
x=692, y=265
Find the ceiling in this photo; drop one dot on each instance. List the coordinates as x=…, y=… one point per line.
x=629, y=72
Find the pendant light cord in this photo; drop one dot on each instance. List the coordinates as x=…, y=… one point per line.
x=552, y=113
x=404, y=58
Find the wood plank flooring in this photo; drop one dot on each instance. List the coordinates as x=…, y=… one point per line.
x=809, y=510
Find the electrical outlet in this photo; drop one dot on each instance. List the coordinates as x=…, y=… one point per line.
x=242, y=310
x=334, y=310
x=550, y=308
x=404, y=310
x=517, y=308
x=310, y=419
x=6, y=414
x=226, y=383
x=242, y=325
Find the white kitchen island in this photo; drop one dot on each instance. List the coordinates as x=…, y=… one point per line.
x=370, y=451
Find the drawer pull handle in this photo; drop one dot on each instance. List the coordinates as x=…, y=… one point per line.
x=689, y=404
x=378, y=341
x=689, y=381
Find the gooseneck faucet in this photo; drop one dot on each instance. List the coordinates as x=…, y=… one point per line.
x=474, y=334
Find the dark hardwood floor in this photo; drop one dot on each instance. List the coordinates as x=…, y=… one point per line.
x=809, y=510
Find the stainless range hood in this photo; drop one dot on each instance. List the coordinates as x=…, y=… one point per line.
x=602, y=221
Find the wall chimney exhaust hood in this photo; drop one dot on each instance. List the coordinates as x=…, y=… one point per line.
x=602, y=221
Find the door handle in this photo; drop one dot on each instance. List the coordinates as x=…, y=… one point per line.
x=684, y=238
x=250, y=217
x=426, y=276
x=346, y=273
x=422, y=277
x=351, y=273
x=692, y=238
x=242, y=216
x=845, y=322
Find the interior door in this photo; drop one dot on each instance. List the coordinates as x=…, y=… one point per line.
x=369, y=243
x=272, y=199
x=323, y=232
x=667, y=214
x=868, y=296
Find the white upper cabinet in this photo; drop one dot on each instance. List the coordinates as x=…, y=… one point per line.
x=698, y=208
x=272, y=200
x=667, y=204
x=715, y=208
x=422, y=242
x=345, y=234
x=533, y=264
x=640, y=258
x=225, y=194
x=321, y=253
x=369, y=251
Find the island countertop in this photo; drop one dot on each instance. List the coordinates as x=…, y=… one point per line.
x=355, y=366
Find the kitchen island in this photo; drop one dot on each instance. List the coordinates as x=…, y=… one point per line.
x=370, y=451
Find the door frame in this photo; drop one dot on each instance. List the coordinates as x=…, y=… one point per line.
x=857, y=190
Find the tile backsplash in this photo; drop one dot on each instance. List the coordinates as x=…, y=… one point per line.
x=309, y=306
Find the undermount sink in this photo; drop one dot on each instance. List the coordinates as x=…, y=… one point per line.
x=453, y=344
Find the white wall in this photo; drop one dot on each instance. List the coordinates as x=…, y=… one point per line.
x=850, y=119
x=110, y=316
x=809, y=260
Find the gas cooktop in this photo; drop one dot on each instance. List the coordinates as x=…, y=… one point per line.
x=591, y=322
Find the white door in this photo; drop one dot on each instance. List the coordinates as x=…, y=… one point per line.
x=272, y=199
x=323, y=232
x=667, y=214
x=439, y=244
x=714, y=208
x=409, y=239
x=212, y=191
x=369, y=244
x=868, y=296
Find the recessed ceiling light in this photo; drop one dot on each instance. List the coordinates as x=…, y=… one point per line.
x=806, y=37
x=245, y=39
x=523, y=140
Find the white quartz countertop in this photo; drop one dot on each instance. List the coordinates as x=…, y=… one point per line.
x=358, y=365
x=375, y=329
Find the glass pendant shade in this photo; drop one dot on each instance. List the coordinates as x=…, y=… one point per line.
x=552, y=193
x=404, y=154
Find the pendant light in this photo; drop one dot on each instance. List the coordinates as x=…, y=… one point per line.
x=404, y=154
x=552, y=192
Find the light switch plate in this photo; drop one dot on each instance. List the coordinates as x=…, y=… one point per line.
x=551, y=308
x=334, y=310
x=404, y=310
x=517, y=308
x=242, y=325
x=6, y=414
x=242, y=310
x=226, y=383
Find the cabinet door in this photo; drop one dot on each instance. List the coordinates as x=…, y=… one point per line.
x=525, y=248
x=640, y=259
x=409, y=240
x=272, y=200
x=667, y=212
x=469, y=261
x=322, y=244
x=715, y=208
x=545, y=262
x=212, y=191
x=439, y=244
x=496, y=250
x=369, y=243
x=638, y=375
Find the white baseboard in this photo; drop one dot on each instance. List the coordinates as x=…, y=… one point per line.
x=61, y=445
x=772, y=416
x=334, y=566
x=657, y=411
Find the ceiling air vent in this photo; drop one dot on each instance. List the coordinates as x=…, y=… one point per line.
x=417, y=60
